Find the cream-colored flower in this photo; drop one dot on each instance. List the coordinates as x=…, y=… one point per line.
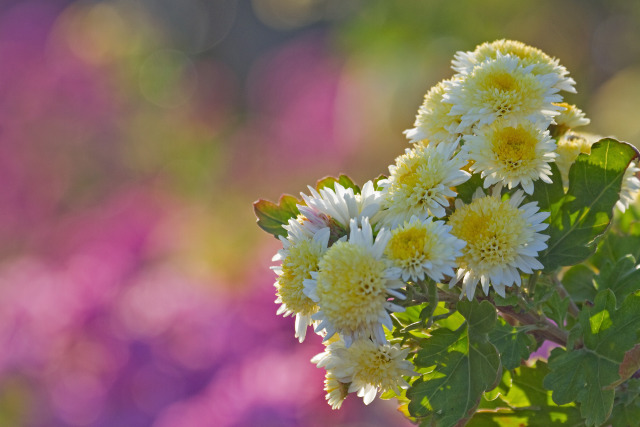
x=502, y=238
x=300, y=256
x=423, y=247
x=420, y=183
x=511, y=155
x=569, y=146
x=336, y=390
x=352, y=287
x=630, y=187
x=543, y=64
x=571, y=117
x=367, y=367
x=434, y=124
x=502, y=88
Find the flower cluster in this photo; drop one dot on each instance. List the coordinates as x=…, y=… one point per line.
x=350, y=257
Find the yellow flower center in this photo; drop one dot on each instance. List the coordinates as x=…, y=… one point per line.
x=351, y=287
x=303, y=258
x=419, y=168
x=514, y=146
x=493, y=230
x=503, y=81
x=410, y=247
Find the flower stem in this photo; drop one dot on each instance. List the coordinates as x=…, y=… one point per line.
x=546, y=330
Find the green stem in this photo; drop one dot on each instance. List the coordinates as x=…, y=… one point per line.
x=531, y=283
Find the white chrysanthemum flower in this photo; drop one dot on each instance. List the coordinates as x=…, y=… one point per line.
x=433, y=121
x=501, y=87
x=420, y=183
x=630, y=187
x=336, y=390
x=502, y=240
x=571, y=117
x=465, y=62
x=335, y=208
x=352, y=287
x=569, y=146
x=423, y=247
x=367, y=367
x=300, y=256
x=512, y=155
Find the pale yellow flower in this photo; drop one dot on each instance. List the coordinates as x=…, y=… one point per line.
x=511, y=155
x=353, y=285
x=542, y=64
x=434, y=124
x=367, y=367
x=300, y=256
x=420, y=183
x=502, y=88
x=502, y=238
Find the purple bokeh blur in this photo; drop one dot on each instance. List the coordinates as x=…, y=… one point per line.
x=131, y=292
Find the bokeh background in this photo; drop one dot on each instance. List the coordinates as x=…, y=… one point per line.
x=135, y=288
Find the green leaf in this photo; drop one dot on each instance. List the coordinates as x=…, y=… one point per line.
x=466, y=189
x=512, y=343
x=556, y=308
x=330, y=182
x=622, y=277
x=527, y=403
x=510, y=299
x=626, y=410
x=410, y=315
x=452, y=322
x=548, y=196
x=582, y=376
x=585, y=374
x=584, y=213
x=626, y=415
x=462, y=365
x=615, y=246
x=578, y=281
x=272, y=217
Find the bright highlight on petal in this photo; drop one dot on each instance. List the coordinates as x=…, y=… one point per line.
x=502, y=240
x=514, y=155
